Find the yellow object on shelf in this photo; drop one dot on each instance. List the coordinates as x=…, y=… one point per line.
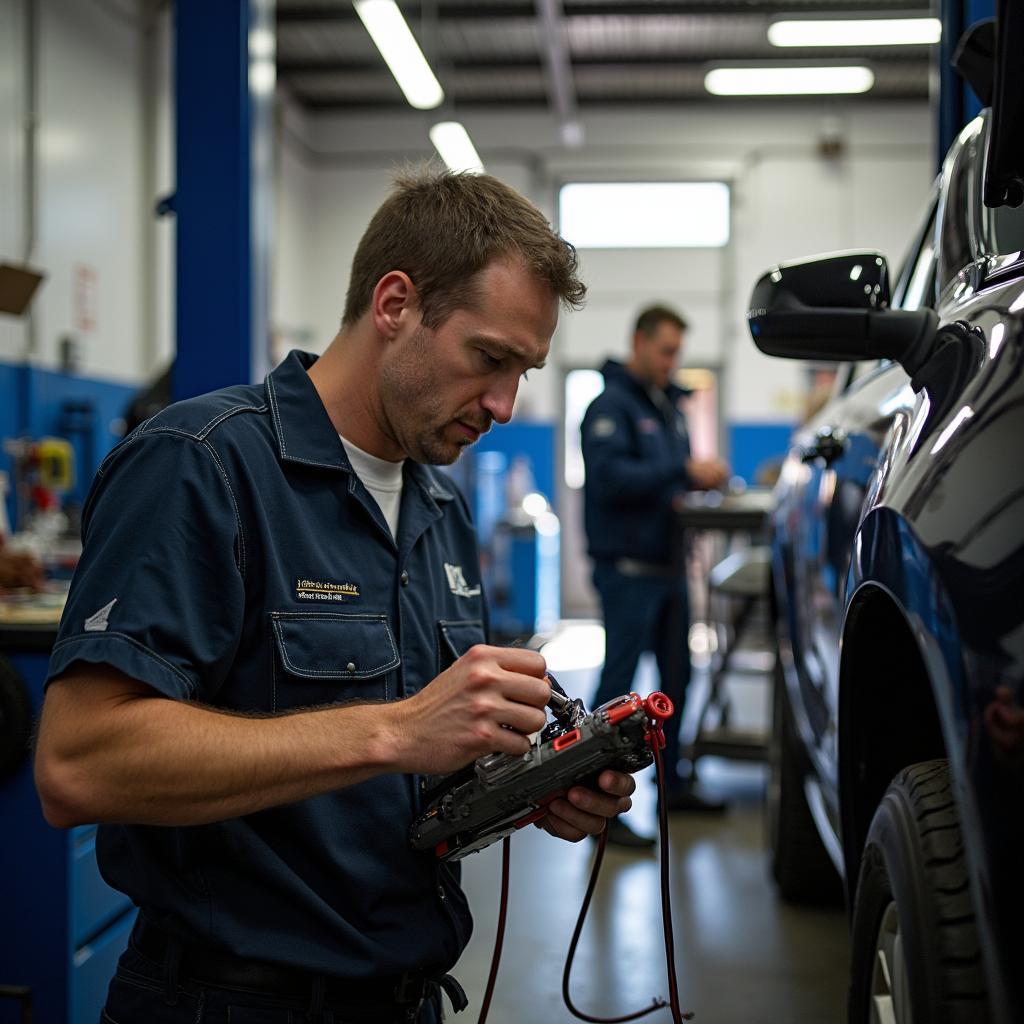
x=55, y=462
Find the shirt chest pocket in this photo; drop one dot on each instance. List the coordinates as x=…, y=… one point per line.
x=325, y=658
x=455, y=637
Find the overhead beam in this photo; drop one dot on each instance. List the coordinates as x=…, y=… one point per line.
x=631, y=102
x=468, y=11
x=555, y=54
x=521, y=62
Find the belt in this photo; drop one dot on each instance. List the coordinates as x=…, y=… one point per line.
x=215, y=966
x=635, y=567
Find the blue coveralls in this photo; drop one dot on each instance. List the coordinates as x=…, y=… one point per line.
x=635, y=448
x=233, y=558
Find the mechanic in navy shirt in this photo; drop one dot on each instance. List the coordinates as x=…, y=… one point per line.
x=273, y=631
x=636, y=451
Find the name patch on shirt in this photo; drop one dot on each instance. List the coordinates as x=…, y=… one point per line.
x=325, y=590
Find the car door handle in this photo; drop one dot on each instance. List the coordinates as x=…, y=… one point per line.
x=829, y=444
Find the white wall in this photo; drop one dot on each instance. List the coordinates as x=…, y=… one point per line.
x=12, y=196
x=93, y=204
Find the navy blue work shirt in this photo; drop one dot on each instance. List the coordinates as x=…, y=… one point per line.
x=232, y=557
x=635, y=447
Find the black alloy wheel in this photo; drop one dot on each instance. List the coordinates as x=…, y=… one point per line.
x=915, y=954
x=800, y=864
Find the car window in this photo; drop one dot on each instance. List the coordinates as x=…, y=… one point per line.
x=862, y=369
x=915, y=285
x=963, y=184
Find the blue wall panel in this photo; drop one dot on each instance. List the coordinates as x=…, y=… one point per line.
x=753, y=444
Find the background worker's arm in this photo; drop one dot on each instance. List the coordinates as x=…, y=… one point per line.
x=112, y=749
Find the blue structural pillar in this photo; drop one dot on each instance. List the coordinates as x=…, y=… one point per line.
x=224, y=85
x=957, y=103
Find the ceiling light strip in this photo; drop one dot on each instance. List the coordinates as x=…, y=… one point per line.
x=401, y=52
x=455, y=147
x=792, y=81
x=856, y=32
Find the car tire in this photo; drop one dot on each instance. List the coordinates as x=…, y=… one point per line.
x=15, y=720
x=915, y=954
x=800, y=864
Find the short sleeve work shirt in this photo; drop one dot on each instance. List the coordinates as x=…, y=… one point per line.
x=233, y=558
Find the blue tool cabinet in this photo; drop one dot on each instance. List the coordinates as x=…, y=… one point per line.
x=62, y=928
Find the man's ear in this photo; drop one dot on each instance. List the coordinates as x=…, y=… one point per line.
x=394, y=295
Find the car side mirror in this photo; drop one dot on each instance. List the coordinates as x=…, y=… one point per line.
x=836, y=307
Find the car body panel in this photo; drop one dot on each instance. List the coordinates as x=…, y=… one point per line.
x=923, y=511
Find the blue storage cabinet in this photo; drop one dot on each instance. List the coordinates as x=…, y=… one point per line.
x=62, y=928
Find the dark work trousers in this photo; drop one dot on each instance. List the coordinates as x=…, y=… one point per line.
x=646, y=613
x=145, y=992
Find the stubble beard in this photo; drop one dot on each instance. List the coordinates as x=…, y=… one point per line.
x=409, y=392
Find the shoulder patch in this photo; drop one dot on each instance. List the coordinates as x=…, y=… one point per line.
x=603, y=426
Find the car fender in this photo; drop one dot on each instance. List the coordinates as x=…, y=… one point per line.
x=890, y=563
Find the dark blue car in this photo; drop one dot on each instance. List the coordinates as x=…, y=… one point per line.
x=898, y=592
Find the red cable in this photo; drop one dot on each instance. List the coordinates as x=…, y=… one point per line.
x=499, y=939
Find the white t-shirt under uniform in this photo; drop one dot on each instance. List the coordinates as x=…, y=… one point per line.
x=381, y=478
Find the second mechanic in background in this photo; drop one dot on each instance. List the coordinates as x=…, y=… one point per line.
x=636, y=450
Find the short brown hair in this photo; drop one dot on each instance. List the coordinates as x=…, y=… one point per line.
x=654, y=316
x=442, y=229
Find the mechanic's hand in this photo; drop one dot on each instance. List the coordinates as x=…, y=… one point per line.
x=490, y=700
x=585, y=812
x=707, y=474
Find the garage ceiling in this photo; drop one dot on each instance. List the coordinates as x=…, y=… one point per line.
x=612, y=52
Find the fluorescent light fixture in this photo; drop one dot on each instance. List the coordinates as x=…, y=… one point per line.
x=455, y=147
x=796, y=81
x=856, y=32
x=401, y=52
x=644, y=214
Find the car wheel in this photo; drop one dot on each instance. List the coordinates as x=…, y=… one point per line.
x=915, y=956
x=15, y=719
x=800, y=864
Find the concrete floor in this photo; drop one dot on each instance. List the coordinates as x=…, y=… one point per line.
x=741, y=954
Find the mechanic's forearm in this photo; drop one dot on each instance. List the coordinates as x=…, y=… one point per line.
x=150, y=760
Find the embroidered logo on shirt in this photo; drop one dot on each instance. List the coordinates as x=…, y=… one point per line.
x=325, y=590
x=457, y=582
x=648, y=426
x=603, y=426
x=98, y=621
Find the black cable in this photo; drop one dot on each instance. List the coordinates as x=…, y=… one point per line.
x=499, y=939
x=666, y=897
x=656, y=1004
x=656, y=739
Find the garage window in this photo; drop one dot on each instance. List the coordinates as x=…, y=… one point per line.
x=644, y=215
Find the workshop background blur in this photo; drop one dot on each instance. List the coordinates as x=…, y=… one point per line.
x=129, y=279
